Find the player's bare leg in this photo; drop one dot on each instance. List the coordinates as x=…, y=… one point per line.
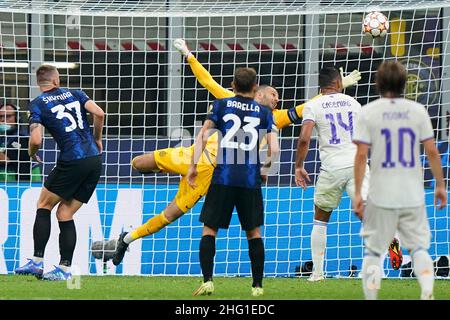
x=318, y=243
x=207, y=253
x=67, y=209
x=256, y=254
x=171, y=213
x=145, y=163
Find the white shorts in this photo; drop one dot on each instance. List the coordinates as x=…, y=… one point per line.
x=331, y=185
x=380, y=226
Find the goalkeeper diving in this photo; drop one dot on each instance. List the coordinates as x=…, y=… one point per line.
x=177, y=160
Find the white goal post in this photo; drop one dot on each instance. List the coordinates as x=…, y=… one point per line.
x=121, y=54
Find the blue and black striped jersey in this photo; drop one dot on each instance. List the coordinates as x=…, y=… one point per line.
x=61, y=111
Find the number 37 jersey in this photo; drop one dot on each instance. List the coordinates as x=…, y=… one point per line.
x=241, y=123
x=334, y=117
x=61, y=111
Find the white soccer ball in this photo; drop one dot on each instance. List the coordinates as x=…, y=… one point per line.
x=375, y=24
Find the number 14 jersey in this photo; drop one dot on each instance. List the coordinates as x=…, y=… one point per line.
x=334, y=117
x=241, y=123
x=61, y=111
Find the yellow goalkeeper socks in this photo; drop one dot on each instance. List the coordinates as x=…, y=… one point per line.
x=152, y=226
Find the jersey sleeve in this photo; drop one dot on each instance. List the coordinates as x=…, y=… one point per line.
x=207, y=81
x=426, y=128
x=298, y=110
x=81, y=96
x=34, y=113
x=213, y=114
x=282, y=118
x=361, y=133
x=308, y=113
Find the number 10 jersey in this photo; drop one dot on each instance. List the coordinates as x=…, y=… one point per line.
x=334, y=117
x=61, y=111
x=394, y=128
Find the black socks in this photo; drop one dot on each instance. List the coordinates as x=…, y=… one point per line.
x=256, y=254
x=207, y=253
x=41, y=231
x=67, y=241
x=41, y=234
x=255, y=250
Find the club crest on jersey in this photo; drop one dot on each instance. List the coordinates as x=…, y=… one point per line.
x=162, y=153
x=242, y=105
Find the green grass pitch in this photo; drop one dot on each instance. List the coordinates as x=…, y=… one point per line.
x=181, y=288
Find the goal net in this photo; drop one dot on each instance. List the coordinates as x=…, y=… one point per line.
x=121, y=54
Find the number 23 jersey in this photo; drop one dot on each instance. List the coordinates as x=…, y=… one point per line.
x=61, y=111
x=242, y=123
x=334, y=116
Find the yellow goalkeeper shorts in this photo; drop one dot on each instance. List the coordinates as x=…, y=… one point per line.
x=173, y=160
x=177, y=160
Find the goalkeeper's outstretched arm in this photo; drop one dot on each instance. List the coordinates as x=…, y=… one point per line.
x=281, y=117
x=202, y=75
x=285, y=117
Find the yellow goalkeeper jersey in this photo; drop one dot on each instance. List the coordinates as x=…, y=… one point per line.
x=282, y=117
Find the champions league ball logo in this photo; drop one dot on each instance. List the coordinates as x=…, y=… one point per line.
x=422, y=85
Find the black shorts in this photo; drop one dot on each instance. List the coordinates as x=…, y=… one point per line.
x=221, y=200
x=75, y=179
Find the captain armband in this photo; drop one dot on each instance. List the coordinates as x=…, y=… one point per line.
x=293, y=116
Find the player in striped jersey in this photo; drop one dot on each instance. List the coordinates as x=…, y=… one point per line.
x=236, y=183
x=63, y=112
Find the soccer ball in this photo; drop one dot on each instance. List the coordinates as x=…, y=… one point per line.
x=375, y=24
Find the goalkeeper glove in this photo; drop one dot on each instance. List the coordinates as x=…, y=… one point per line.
x=181, y=46
x=351, y=79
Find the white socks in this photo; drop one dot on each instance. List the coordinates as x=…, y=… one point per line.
x=128, y=238
x=64, y=268
x=37, y=260
x=318, y=244
x=424, y=271
x=371, y=276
